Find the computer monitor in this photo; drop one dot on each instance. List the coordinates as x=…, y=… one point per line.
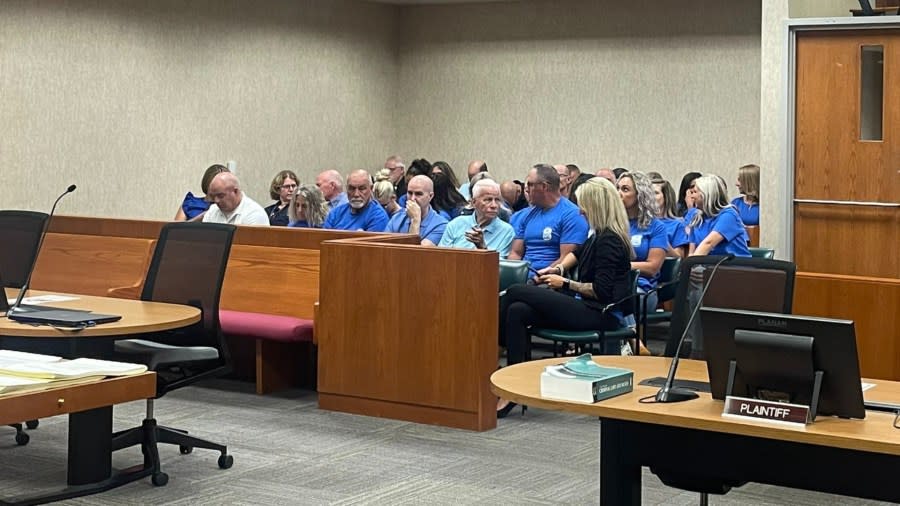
x=774, y=343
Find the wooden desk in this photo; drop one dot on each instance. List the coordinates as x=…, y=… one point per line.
x=850, y=457
x=89, y=407
x=138, y=317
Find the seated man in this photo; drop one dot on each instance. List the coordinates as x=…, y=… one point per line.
x=362, y=212
x=552, y=227
x=483, y=229
x=419, y=217
x=230, y=205
x=329, y=182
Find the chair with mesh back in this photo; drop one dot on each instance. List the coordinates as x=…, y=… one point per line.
x=20, y=234
x=188, y=267
x=762, y=253
x=610, y=341
x=755, y=284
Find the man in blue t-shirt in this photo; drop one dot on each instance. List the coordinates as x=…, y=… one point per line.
x=552, y=227
x=419, y=217
x=361, y=212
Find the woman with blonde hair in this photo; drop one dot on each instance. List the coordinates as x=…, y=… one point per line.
x=308, y=207
x=716, y=228
x=604, y=263
x=383, y=192
x=281, y=190
x=747, y=204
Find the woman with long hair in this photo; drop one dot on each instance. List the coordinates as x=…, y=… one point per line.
x=445, y=168
x=684, y=204
x=716, y=228
x=308, y=207
x=747, y=204
x=447, y=200
x=665, y=209
x=604, y=263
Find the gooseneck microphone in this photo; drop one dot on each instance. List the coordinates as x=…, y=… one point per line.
x=668, y=393
x=37, y=251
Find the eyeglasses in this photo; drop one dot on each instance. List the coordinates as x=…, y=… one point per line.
x=288, y=187
x=532, y=185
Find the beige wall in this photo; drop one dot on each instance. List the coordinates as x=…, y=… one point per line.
x=821, y=8
x=665, y=86
x=132, y=100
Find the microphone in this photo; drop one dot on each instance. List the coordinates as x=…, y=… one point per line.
x=37, y=251
x=668, y=393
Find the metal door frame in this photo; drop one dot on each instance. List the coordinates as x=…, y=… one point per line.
x=793, y=27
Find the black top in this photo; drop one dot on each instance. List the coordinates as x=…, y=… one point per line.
x=605, y=262
x=278, y=217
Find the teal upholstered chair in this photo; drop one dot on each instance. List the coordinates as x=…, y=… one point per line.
x=609, y=341
x=512, y=272
x=767, y=253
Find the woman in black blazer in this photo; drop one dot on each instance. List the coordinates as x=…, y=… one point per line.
x=603, y=261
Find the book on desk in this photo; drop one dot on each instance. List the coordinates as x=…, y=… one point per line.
x=583, y=380
x=20, y=372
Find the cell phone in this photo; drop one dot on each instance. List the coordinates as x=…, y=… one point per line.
x=533, y=270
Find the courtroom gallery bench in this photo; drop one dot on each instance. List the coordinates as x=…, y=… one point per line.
x=268, y=296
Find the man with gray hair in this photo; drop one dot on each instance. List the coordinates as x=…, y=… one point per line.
x=481, y=229
x=361, y=212
x=329, y=182
x=230, y=205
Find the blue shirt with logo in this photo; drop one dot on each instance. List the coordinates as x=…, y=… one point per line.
x=371, y=218
x=431, y=228
x=544, y=230
x=728, y=224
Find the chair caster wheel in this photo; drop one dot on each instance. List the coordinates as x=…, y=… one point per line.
x=32, y=424
x=22, y=439
x=159, y=479
x=226, y=461
x=185, y=449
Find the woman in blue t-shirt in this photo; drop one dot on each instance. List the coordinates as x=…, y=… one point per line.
x=747, y=204
x=648, y=235
x=308, y=207
x=192, y=206
x=716, y=228
x=665, y=212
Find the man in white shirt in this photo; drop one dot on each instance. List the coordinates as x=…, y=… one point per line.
x=230, y=205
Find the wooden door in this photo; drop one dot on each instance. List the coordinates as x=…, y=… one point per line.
x=847, y=187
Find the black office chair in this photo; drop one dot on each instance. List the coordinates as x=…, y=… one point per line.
x=20, y=233
x=667, y=286
x=755, y=284
x=188, y=267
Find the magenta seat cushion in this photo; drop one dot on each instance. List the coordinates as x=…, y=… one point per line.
x=265, y=326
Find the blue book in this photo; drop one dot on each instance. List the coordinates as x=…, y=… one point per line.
x=578, y=381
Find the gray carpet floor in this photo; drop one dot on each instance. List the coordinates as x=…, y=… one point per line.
x=287, y=451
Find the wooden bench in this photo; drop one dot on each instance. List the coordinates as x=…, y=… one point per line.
x=266, y=309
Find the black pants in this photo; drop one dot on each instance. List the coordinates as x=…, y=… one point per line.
x=527, y=305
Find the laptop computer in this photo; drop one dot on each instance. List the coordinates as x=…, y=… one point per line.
x=63, y=318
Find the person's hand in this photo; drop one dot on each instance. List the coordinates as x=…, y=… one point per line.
x=475, y=235
x=554, y=281
x=548, y=270
x=413, y=211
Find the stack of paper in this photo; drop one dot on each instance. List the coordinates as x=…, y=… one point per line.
x=21, y=371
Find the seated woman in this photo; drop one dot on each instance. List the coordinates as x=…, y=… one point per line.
x=383, y=192
x=282, y=188
x=747, y=204
x=716, y=228
x=447, y=170
x=682, y=206
x=648, y=235
x=447, y=200
x=604, y=263
x=675, y=229
x=192, y=206
x=308, y=207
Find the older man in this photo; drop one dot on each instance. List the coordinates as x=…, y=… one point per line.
x=329, y=182
x=419, y=217
x=230, y=205
x=361, y=212
x=482, y=229
x=607, y=174
x=552, y=227
x=564, y=182
x=475, y=166
x=513, y=193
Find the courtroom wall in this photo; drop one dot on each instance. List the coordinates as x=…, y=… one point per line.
x=649, y=85
x=133, y=99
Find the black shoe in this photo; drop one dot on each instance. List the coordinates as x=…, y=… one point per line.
x=505, y=410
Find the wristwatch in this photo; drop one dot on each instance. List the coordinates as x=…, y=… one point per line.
x=565, y=284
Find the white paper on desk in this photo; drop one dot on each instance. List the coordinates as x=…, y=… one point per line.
x=40, y=299
x=69, y=369
x=27, y=357
x=866, y=386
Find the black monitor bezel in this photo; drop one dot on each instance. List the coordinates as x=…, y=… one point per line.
x=841, y=393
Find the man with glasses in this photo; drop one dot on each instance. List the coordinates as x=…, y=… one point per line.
x=230, y=205
x=564, y=182
x=361, y=212
x=397, y=170
x=552, y=227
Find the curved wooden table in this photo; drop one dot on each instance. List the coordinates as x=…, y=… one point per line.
x=692, y=439
x=138, y=317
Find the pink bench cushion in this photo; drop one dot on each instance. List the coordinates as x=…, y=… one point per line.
x=265, y=326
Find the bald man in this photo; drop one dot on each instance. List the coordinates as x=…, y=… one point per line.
x=607, y=174
x=475, y=166
x=419, y=217
x=230, y=205
x=329, y=182
x=564, y=182
x=513, y=193
x=361, y=212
